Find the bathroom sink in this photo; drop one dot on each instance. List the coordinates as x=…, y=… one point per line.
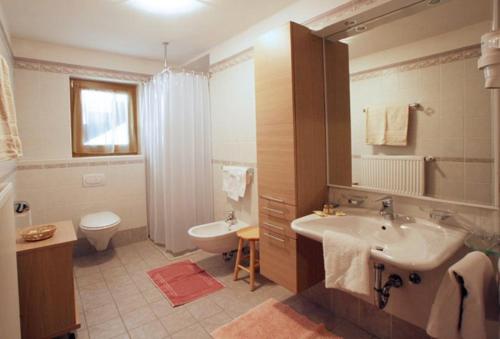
x=408, y=243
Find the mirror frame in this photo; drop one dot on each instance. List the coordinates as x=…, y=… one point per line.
x=385, y=15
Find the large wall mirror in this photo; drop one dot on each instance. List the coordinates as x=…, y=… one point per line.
x=415, y=118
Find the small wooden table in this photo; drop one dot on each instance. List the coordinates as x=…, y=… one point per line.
x=46, y=288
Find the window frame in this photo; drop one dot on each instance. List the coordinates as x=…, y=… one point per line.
x=81, y=150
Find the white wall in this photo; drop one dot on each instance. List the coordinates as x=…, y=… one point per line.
x=233, y=136
x=49, y=178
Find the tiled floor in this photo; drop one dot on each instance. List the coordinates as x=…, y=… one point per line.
x=117, y=299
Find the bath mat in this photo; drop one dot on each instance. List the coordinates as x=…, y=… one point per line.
x=272, y=320
x=183, y=282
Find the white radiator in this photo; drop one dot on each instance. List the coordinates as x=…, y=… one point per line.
x=393, y=173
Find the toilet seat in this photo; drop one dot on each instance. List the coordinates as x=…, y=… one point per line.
x=99, y=221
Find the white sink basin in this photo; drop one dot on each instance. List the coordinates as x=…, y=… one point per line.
x=407, y=243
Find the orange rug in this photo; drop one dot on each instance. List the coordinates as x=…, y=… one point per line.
x=183, y=282
x=272, y=320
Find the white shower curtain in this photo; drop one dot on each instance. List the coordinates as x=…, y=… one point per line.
x=175, y=121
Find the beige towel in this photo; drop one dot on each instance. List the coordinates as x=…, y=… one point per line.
x=476, y=270
x=376, y=124
x=346, y=263
x=397, y=125
x=10, y=144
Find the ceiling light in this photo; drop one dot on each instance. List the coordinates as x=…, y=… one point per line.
x=167, y=6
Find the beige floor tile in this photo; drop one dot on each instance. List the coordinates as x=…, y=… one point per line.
x=161, y=308
x=110, y=263
x=138, y=317
x=215, y=321
x=81, y=271
x=97, y=299
x=136, y=266
x=177, y=321
x=92, y=288
x=151, y=330
x=108, y=329
x=142, y=281
x=90, y=279
x=129, y=303
x=118, y=280
x=82, y=334
x=101, y=314
x=203, y=308
x=113, y=272
x=346, y=330
x=192, y=332
x=122, y=336
x=153, y=294
x=126, y=289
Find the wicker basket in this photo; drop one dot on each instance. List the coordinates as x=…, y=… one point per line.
x=38, y=233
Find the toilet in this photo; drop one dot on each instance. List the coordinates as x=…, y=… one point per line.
x=99, y=228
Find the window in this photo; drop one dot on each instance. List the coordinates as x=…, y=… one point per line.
x=103, y=118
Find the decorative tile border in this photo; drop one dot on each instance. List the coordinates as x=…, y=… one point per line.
x=58, y=67
x=450, y=159
x=71, y=163
x=234, y=163
x=342, y=12
x=231, y=61
x=468, y=52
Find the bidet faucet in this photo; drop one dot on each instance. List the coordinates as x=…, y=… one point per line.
x=230, y=218
x=387, y=210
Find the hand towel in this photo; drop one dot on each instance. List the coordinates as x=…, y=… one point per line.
x=458, y=313
x=346, y=263
x=234, y=181
x=10, y=144
x=376, y=123
x=396, y=133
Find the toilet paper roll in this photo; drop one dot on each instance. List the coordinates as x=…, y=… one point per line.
x=24, y=219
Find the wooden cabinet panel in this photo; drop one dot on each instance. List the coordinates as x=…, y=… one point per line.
x=278, y=259
x=273, y=78
x=276, y=162
x=277, y=209
x=277, y=225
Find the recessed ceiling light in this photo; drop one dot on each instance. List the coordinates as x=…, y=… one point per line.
x=167, y=6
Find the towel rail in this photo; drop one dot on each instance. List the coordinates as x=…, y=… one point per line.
x=415, y=106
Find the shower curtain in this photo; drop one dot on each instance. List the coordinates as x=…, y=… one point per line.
x=175, y=125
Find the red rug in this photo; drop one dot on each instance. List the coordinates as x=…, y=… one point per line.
x=272, y=320
x=184, y=282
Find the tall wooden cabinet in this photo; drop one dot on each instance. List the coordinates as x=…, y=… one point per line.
x=291, y=151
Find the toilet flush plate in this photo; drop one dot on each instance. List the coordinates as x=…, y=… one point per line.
x=93, y=180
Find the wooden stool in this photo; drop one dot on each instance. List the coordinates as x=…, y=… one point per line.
x=252, y=235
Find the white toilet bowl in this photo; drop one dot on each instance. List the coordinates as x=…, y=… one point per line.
x=99, y=228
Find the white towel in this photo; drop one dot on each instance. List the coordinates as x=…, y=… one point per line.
x=376, y=124
x=346, y=263
x=234, y=181
x=477, y=272
x=10, y=144
x=396, y=133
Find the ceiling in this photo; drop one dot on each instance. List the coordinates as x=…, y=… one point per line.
x=435, y=20
x=122, y=26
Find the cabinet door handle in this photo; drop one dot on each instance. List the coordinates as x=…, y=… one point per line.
x=274, y=226
x=272, y=198
x=273, y=210
x=273, y=237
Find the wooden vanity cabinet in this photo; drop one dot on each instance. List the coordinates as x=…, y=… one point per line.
x=46, y=288
x=291, y=151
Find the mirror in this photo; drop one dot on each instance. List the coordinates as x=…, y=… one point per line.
x=406, y=108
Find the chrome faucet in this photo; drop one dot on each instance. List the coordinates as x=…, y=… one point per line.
x=387, y=210
x=230, y=218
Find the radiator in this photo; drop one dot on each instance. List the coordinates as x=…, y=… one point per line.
x=393, y=173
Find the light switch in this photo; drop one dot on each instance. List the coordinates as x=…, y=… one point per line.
x=94, y=180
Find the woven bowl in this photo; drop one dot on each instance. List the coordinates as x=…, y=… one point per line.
x=38, y=233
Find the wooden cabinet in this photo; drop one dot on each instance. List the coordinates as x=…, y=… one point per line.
x=291, y=151
x=46, y=288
